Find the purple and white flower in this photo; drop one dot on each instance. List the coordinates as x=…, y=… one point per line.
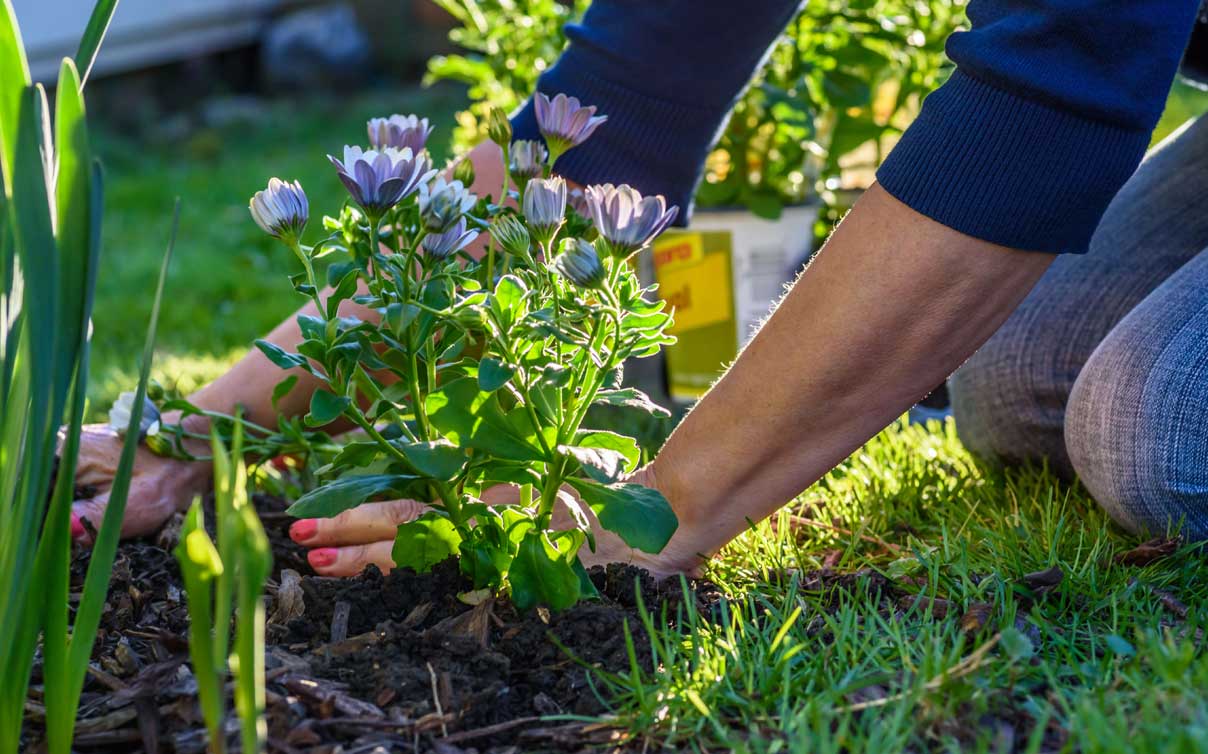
x=545, y=206
x=440, y=246
x=378, y=180
x=580, y=264
x=399, y=131
x=528, y=160
x=281, y=210
x=564, y=121
x=442, y=203
x=626, y=220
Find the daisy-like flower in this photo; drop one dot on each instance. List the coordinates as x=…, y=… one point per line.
x=545, y=206
x=123, y=407
x=580, y=264
x=528, y=160
x=399, y=131
x=625, y=220
x=577, y=199
x=440, y=246
x=511, y=234
x=281, y=210
x=380, y=180
x=564, y=121
x=442, y=203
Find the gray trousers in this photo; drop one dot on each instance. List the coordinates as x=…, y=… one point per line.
x=1103, y=370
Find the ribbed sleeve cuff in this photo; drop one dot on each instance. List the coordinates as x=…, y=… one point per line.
x=656, y=146
x=1003, y=168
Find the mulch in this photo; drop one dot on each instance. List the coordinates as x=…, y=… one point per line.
x=376, y=663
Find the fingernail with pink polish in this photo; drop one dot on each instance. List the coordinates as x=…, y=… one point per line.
x=304, y=530
x=77, y=527
x=322, y=557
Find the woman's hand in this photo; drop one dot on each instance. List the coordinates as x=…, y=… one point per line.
x=159, y=487
x=346, y=544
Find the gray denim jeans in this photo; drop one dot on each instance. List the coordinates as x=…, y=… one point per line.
x=1103, y=370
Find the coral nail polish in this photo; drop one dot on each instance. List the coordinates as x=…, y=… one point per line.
x=322, y=557
x=304, y=530
x=77, y=528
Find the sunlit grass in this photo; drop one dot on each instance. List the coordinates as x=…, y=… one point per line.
x=791, y=666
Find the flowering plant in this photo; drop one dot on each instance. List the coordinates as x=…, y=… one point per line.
x=481, y=368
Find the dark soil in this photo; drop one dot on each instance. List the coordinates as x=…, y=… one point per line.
x=397, y=662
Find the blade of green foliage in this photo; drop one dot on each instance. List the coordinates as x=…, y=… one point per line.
x=200, y=565
x=14, y=79
x=439, y=459
x=255, y=561
x=97, y=580
x=94, y=34
x=424, y=542
x=30, y=419
x=638, y=514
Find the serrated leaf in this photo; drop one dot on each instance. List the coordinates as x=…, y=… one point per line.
x=639, y=515
x=472, y=418
x=601, y=464
x=623, y=444
x=424, y=542
x=631, y=398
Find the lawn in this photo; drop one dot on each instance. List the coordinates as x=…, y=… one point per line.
x=940, y=641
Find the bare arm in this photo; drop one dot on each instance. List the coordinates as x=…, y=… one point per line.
x=892, y=304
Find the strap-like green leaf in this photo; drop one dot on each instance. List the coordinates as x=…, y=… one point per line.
x=94, y=34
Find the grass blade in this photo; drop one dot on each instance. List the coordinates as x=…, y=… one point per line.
x=14, y=79
x=94, y=34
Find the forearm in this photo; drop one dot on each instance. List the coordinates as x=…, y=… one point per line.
x=891, y=306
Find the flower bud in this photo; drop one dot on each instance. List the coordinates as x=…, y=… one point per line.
x=527, y=160
x=158, y=444
x=499, y=128
x=281, y=209
x=580, y=264
x=545, y=206
x=511, y=234
x=464, y=172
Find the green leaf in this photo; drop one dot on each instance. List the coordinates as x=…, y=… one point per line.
x=640, y=515
x=355, y=454
x=280, y=356
x=424, y=542
x=587, y=588
x=494, y=374
x=623, y=444
x=472, y=418
x=14, y=78
x=1117, y=644
x=542, y=575
x=601, y=464
x=631, y=398
x=346, y=492
x=439, y=459
x=282, y=389
x=509, y=302
x=326, y=407
x=94, y=34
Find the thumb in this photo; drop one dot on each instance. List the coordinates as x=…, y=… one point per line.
x=86, y=518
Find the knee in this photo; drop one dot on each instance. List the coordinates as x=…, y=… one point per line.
x=1136, y=429
x=1009, y=399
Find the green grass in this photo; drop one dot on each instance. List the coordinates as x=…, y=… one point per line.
x=1096, y=665
x=229, y=283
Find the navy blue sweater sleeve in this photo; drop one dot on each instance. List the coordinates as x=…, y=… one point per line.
x=666, y=73
x=1048, y=113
